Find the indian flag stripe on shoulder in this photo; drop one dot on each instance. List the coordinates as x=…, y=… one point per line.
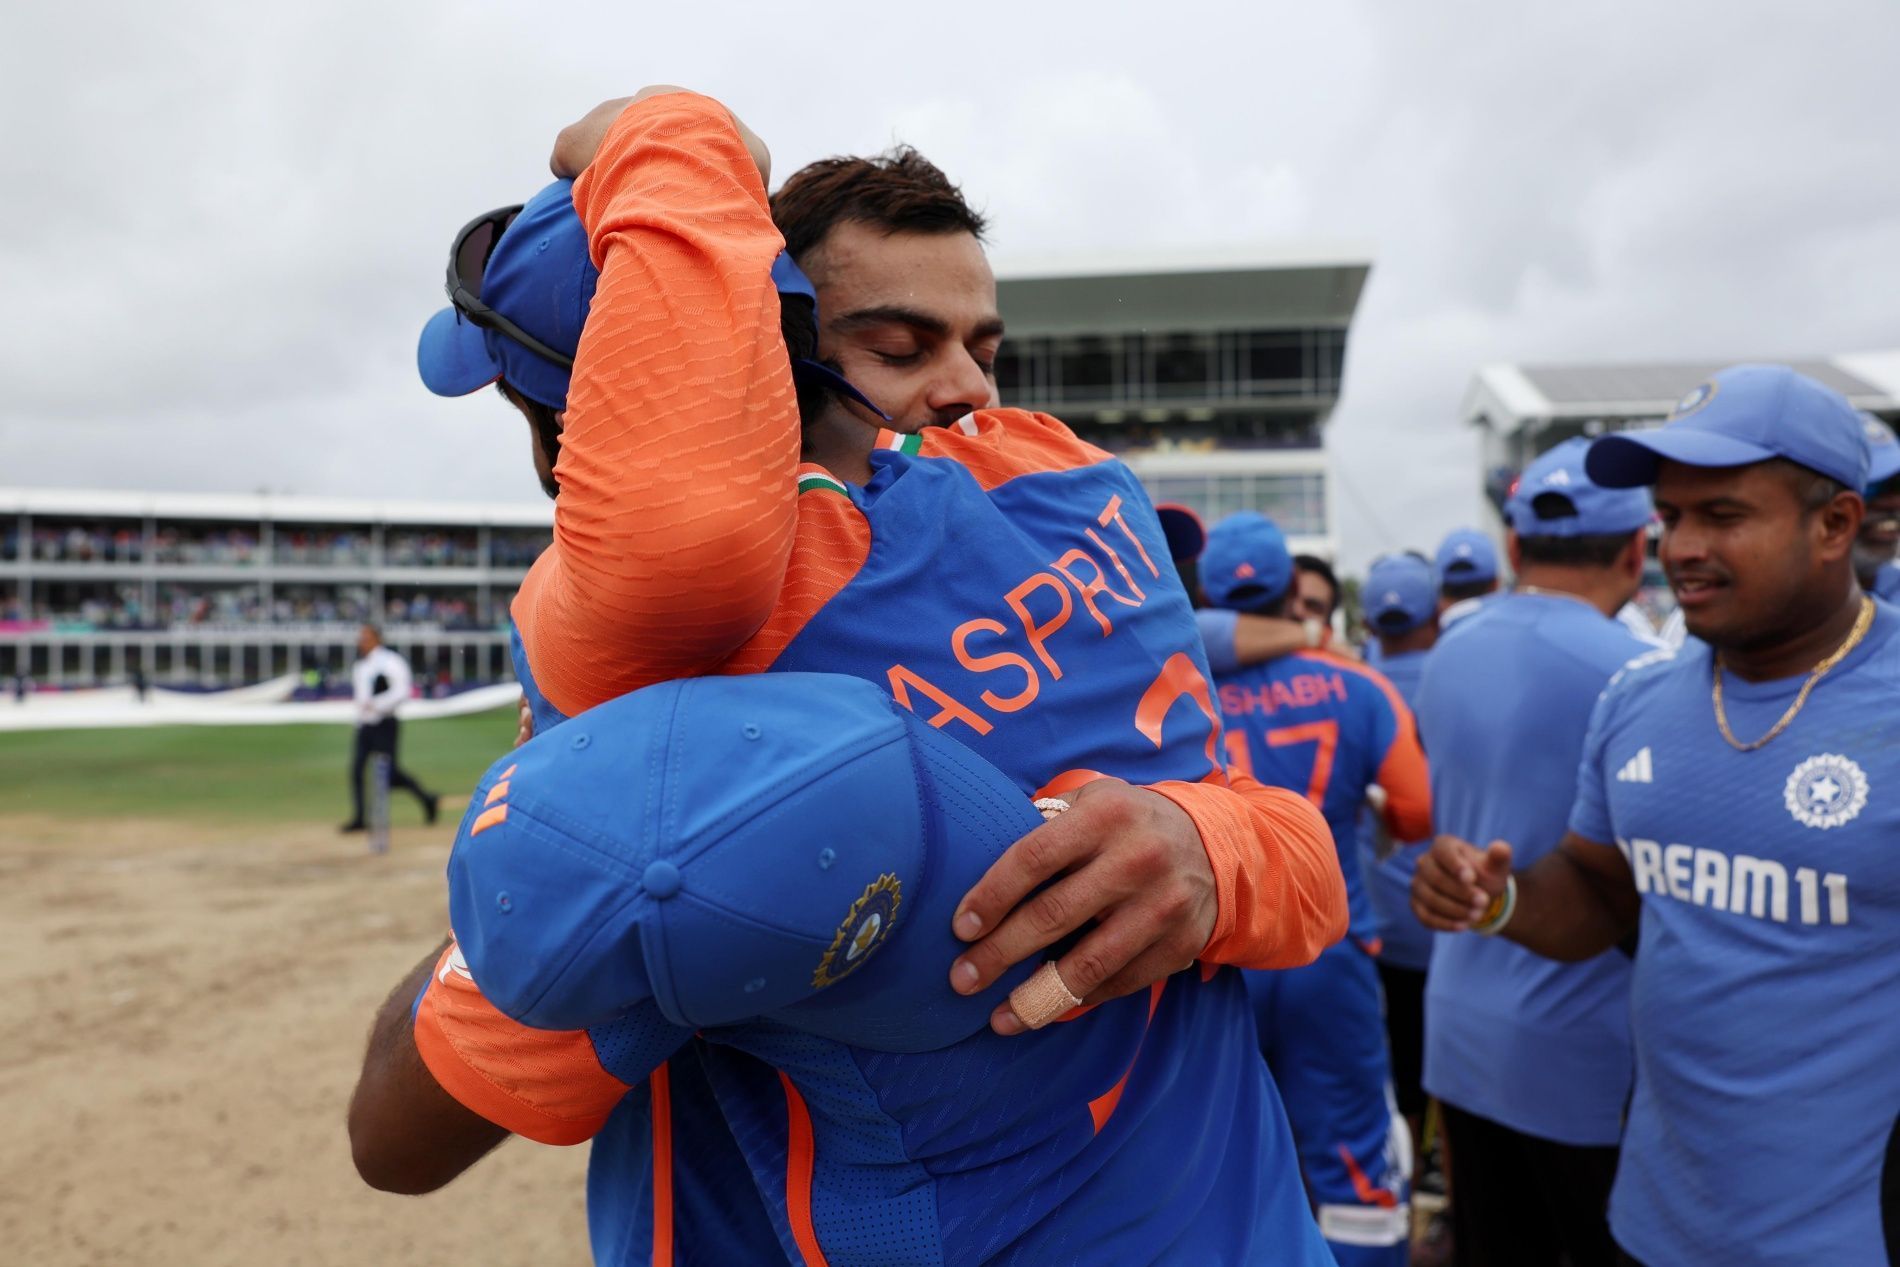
x=888, y=439
x=816, y=483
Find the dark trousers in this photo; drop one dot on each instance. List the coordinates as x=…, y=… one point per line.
x=1405, y=1034
x=1521, y=1201
x=371, y=739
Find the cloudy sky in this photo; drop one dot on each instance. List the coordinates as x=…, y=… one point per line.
x=224, y=223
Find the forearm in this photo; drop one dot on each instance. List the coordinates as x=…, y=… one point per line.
x=1567, y=911
x=1258, y=639
x=677, y=503
x=407, y=1135
x=1281, y=897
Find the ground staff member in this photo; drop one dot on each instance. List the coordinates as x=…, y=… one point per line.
x=1748, y=787
x=379, y=682
x=1530, y=1059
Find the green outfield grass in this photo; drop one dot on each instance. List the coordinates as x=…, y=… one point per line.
x=232, y=773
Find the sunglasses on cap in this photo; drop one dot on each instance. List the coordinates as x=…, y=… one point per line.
x=468, y=261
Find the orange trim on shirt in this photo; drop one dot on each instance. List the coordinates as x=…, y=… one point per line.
x=676, y=514
x=1403, y=771
x=1281, y=897
x=1103, y=1106
x=799, y=1158
x=1008, y=443
x=545, y=1084
x=1363, y=1187
x=660, y=1083
x=832, y=543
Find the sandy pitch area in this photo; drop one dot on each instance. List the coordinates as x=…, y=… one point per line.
x=185, y=1015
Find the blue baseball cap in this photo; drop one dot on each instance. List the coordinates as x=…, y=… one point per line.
x=539, y=276
x=1401, y=593
x=780, y=845
x=1745, y=414
x=1883, y=451
x=1466, y=556
x=1245, y=565
x=1555, y=498
x=1186, y=534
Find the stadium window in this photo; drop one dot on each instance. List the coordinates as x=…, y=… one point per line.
x=1085, y=369
x=1009, y=372
x=1276, y=362
x=1183, y=365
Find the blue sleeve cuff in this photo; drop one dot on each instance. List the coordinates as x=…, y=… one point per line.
x=1217, y=635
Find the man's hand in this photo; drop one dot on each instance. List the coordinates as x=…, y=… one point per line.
x=1127, y=858
x=524, y=721
x=1456, y=881
x=579, y=141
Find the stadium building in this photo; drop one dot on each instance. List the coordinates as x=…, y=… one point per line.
x=217, y=590
x=1522, y=410
x=1212, y=376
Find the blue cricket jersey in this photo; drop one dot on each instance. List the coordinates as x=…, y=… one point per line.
x=1009, y=585
x=1765, y=1006
x=1887, y=582
x=1504, y=703
x=1403, y=941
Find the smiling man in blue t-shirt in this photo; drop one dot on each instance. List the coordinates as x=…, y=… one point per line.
x=1736, y=802
x=1530, y=1059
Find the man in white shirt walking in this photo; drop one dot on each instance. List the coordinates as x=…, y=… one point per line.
x=379, y=682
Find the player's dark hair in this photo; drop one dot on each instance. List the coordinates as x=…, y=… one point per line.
x=1813, y=489
x=1324, y=570
x=1459, y=591
x=898, y=191
x=1596, y=550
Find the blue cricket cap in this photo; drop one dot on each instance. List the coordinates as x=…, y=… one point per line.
x=1555, y=498
x=1745, y=414
x=1466, y=556
x=1883, y=451
x=539, y=275
x=1246, y=564
x=1186, y=534
x=782, y=845
x=1401, y=593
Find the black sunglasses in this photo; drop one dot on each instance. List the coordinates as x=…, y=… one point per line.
x=468, y=261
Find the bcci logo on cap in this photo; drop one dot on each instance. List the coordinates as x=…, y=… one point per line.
x=1695, y=400
x=1825, y=791
x=863, y=931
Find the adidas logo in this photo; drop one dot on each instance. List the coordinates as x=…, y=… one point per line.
x=1638, y=769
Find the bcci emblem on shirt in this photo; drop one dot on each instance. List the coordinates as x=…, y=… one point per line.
x=1825, y=791
x=864, y=929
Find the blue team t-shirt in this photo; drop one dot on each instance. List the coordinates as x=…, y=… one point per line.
x=1504, y=703
x=1887, y=582
x=1403, y=941
x=1765, y=1005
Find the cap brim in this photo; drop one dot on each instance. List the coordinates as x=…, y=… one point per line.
x=1885, y=466
x=452, y=356
x=1631, y=460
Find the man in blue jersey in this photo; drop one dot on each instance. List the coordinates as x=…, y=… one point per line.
x=1874, y=564
x=1530, y=1059
x=1467, y=563
x=1334, y=729
x=1736, y=804
x=1400, y=600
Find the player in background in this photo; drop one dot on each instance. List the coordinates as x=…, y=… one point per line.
x=1528, y=1059
x=1735, y=804
x=1874, y=564
x=774, y=637
x=1401, y=611
x=1467, y=564
x=1332, y=728
x=379, y=683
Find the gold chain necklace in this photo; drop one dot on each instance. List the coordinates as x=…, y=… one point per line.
x=1862, y=623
